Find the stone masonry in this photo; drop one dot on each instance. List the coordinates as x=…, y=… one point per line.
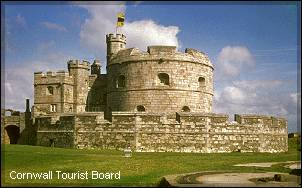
x=154, y=101
x=154, y=132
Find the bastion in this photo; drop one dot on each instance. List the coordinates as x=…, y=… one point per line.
x=158, y=100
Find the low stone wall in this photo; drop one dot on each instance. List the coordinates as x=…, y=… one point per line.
x=57, y=131
x=152, y=132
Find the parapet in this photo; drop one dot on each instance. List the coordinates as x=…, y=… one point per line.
x=50, y=77
x=194, y=52
x=201, y=117
x=157, y=53
x=51, y=74
x=128, y=52
x=115, y=38
x=78, y=64
x=161, y=49
x=263, y=119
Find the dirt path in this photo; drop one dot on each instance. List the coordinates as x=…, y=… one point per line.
x=295, y=165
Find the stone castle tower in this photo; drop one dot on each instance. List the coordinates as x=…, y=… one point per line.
x=159, y=80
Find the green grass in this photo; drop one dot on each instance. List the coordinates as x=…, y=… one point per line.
x=142, y=169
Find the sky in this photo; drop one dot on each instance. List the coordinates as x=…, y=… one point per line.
x=255, y=47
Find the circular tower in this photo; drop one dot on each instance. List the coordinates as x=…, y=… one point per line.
x=115, y=43
x=159, y=80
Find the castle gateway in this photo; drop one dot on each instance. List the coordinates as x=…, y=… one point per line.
x=154, y=101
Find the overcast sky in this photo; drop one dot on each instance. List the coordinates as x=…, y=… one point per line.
x=254, y=48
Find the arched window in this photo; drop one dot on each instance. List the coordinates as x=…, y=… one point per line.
x=50, y=90
x=202, y=81
x=164, y=78
x=140, y=108
x=120, y=81
x=185, y=109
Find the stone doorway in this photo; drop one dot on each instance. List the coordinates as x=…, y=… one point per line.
x=13, y=133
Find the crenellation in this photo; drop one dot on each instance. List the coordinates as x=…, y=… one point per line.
x=144, y=133
x=76, y=63
x=53, y=78
x=112, y=37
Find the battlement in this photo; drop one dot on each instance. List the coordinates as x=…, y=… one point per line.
x=203, y=118
x=158, y=53
x=194, y=53
x=75, y=63
x=52, y=77
x=115, y=38
x=161, y=49
x=155, y=132
x=61, y=73
x=255, y=119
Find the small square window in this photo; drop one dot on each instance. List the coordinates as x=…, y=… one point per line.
x=202, y=81
x=53, y=108
x=50, y=90
x=164, y=78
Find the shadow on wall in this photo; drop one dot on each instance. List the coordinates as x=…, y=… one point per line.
x=29, y=135
x=97, y=98
x=13, y=133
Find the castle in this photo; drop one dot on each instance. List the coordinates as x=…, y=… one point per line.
x=154, y=101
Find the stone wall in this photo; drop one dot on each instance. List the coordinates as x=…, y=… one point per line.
x=97, y=97
x=57, y=131
x=62, y=86
x=190, y=80
x=17, y=128
x=152, y=132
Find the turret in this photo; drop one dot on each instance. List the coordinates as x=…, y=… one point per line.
x=96, y=67
x=80, y=73
x=115, y=43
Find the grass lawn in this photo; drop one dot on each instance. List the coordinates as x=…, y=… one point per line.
x=142, y=169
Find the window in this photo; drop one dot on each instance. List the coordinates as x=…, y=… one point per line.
x=53, y=108
x=201, y=81
x=161, y=60
x=185, y=109
x=164, y=78
x=140, y=108
x=50, y=90
x=121, y=45
x=120, y=81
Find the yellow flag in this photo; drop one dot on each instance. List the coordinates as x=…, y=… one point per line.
x=120, y=19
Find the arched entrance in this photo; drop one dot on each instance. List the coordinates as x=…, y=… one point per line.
x=13, y=133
